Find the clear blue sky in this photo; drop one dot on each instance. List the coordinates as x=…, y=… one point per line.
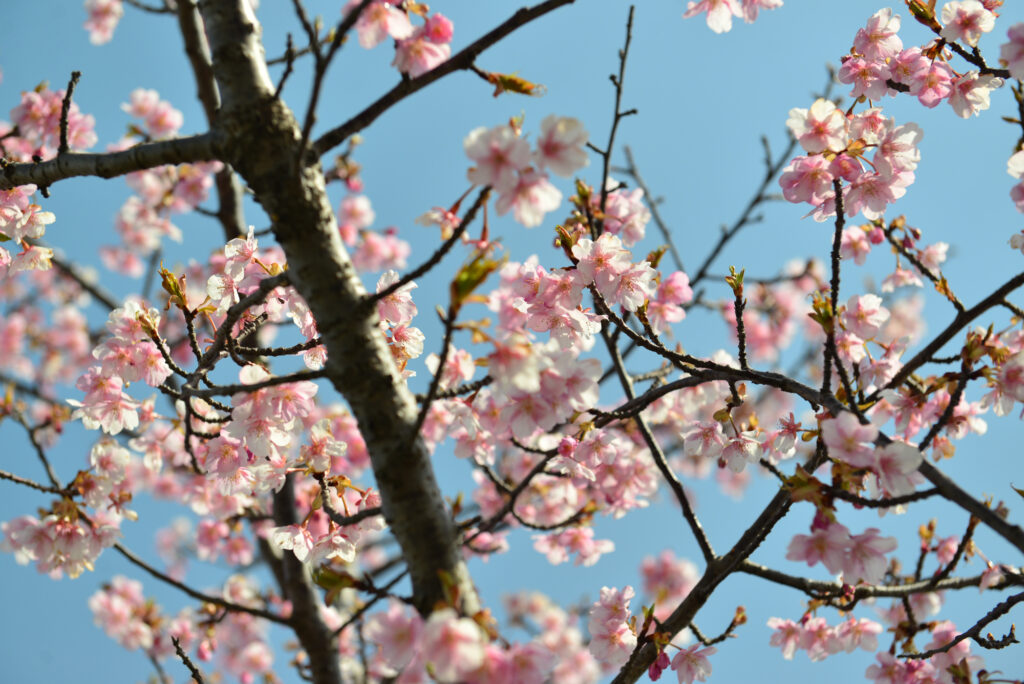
x=704, y=100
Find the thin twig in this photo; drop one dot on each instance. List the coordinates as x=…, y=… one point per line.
x=438, y=255
x=71, y=271
x=227, y=390
x=198, y=595
x=961, y=321
x=652, y=205
x=4, y=475
x=187, y=662
x=974, y=632
x=617, y=116
x=65, y=110
x=435, y=381
x=332, y=513
x=407, y=87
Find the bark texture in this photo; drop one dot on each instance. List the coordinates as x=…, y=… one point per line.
x=261, y=141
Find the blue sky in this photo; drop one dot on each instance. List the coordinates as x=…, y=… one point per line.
x=704, y=101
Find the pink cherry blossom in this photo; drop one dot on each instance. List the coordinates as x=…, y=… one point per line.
x=970, y=93
x=453, y=645
x=668, y=580
x=691, y=664
x=560, y=145
x=499, y=154
x=895, y=465
x=751, y=8
x=933, y=85
x=103, y=18
x=827, y=544
x=397, y=308
x=966, y=20
x=865, y=557
x=878, y=41
x=354, y=214
x=381, y=251
x=854, y=633
x=294, y=538
x=419, y=53
x=1013, y=52
x=626, y=215
x=822, y=127
x=868, y=77
x=438, y=28
x=396, y=633
x=864, y=315
x=818, y=638
x=720, y=13
x=992, y=576
x=379, y=21
x=855, y=245
x=807, y=179
x=788, y=636
x=531, y=197
x=578, y=540
x=848, y=440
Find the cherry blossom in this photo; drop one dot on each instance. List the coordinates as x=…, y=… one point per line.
x=626, y=215
x=933, y=84
x=103, y=18
x=453, y=645
x=827, y=543
x=720, y=13
x=209, y=418
x=848, y=440
x=560, y=145
x=379, y=21
x=966, y=21
x=1013, y=52
x=691, y=664
x=612, y=640
x=822, y=127
x=878, y=41
x=578, y=540
x=499, y=154
x=970, y=93
x=531, y=198
x=354, y=215
x=426, y=48
x=788, y=636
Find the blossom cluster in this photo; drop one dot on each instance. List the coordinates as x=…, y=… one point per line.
x=61, y=542
x=612, y=636
x=836, y=145
x=417, y=49
x=454, y=648
x=143, y=221
x=38, y=118
x=860, y=557
x=820, y=640
x=535, y=417
x=104, y=16
x=21, y=220
x=880, y=65
x=503, y=160
x=721, y=12
x=237, y=640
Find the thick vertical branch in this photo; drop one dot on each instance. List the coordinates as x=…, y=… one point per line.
x=316, y=638
x=229, y=190
x=359, y=364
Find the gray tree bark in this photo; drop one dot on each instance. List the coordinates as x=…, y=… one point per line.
x=260, y=138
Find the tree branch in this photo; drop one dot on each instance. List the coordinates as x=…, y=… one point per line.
x=463, y=60
x=196, y=148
